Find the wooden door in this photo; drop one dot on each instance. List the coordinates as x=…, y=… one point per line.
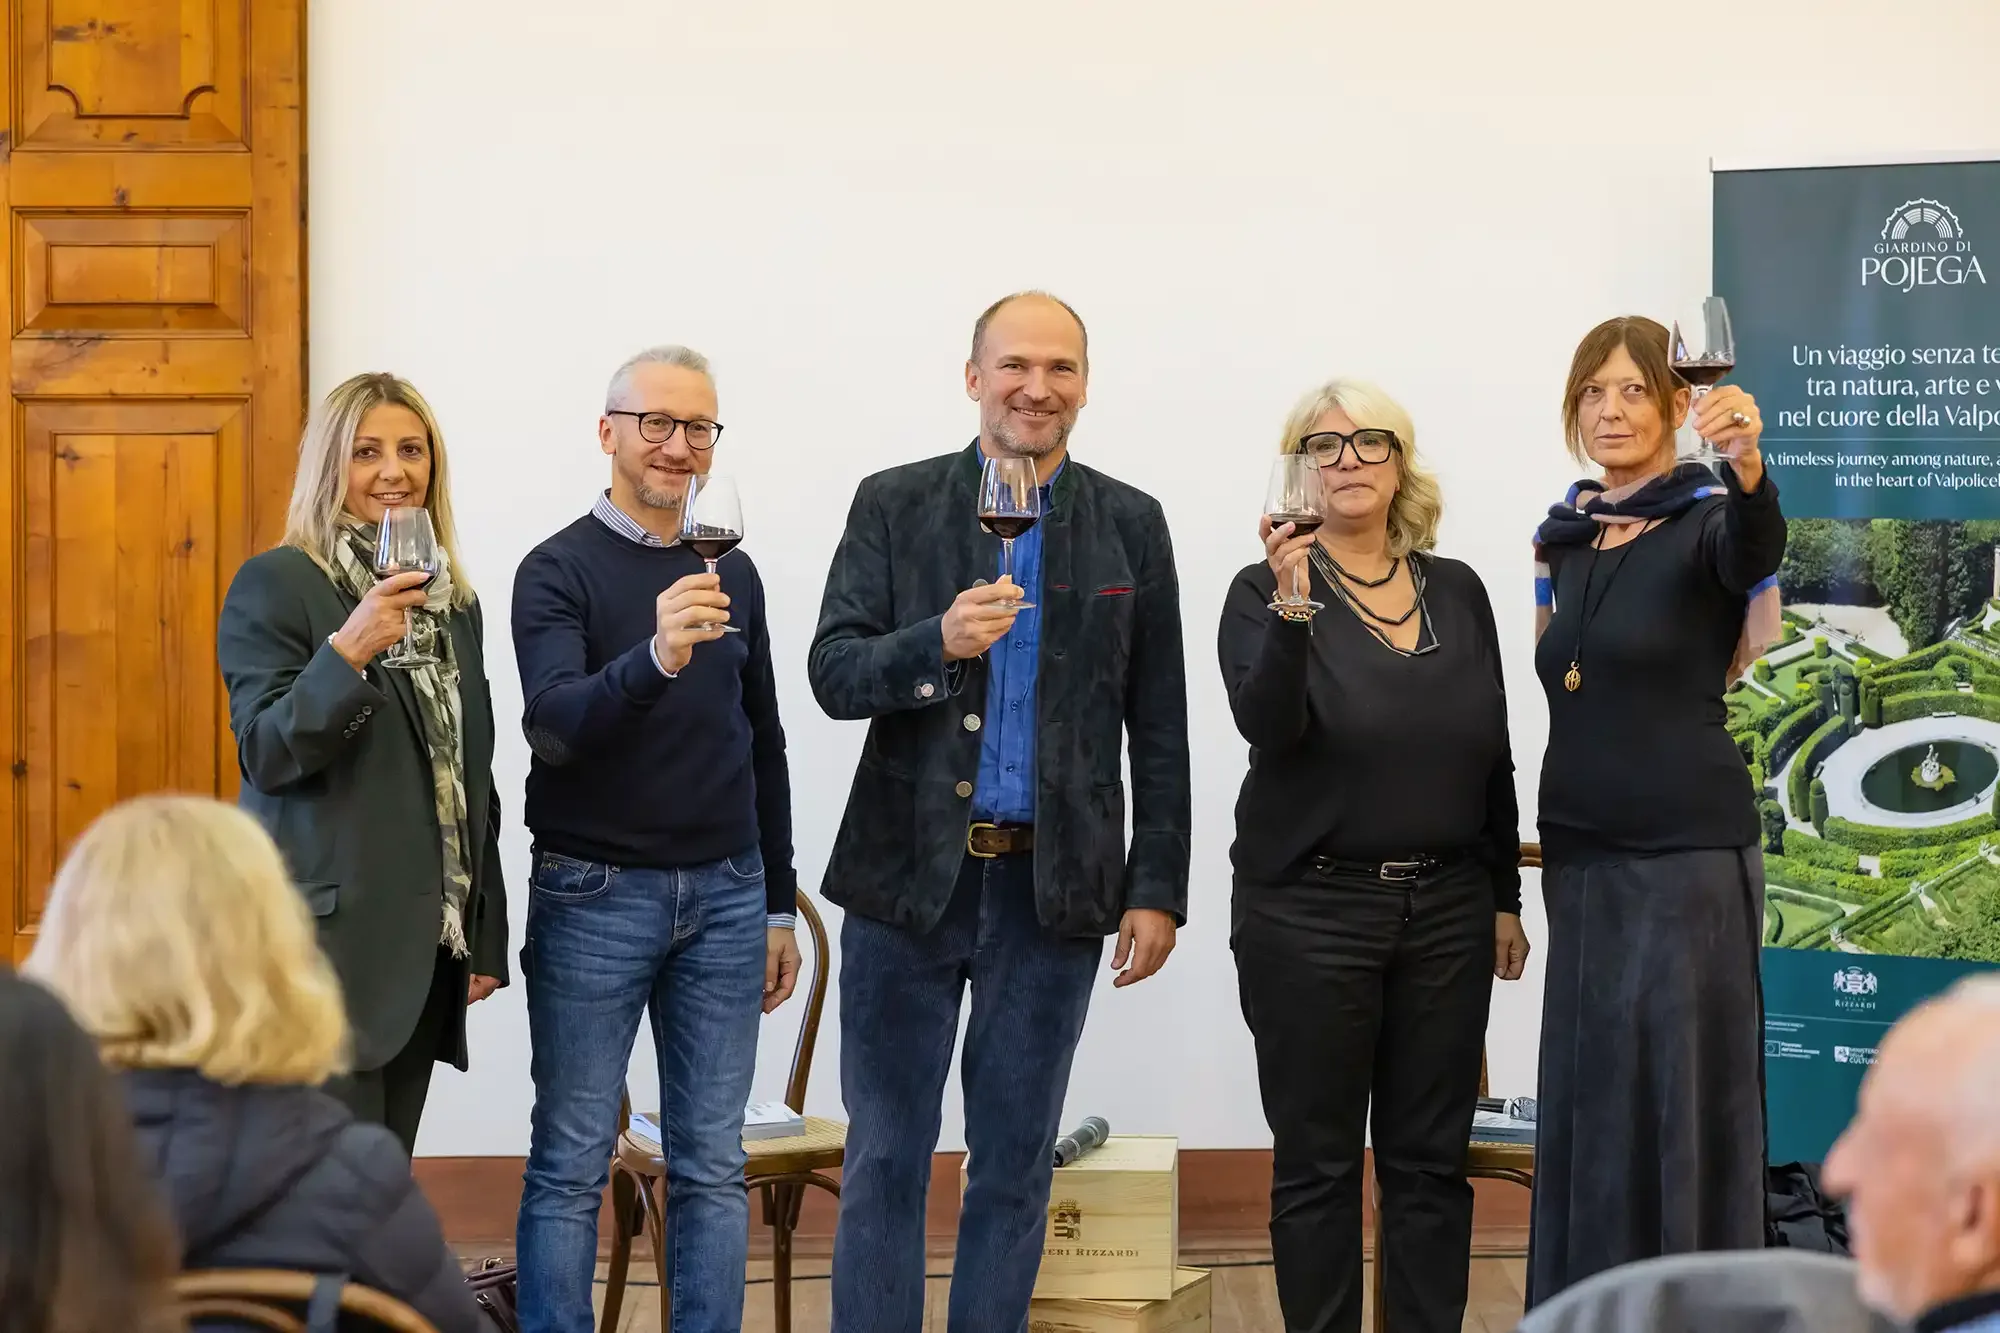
x=152, y=169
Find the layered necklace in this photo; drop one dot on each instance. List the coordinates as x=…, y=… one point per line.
x=1347, y=585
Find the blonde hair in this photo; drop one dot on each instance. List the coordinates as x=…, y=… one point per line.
x=176, y=937
x=319, y=489
x=1418, y=504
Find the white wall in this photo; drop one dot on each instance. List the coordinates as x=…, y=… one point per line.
x=506, y=201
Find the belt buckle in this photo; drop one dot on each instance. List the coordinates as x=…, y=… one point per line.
x=1399, y=872
x=973, y=828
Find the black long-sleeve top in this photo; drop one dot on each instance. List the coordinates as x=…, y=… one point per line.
x=1361, y=753
x=1639, y=759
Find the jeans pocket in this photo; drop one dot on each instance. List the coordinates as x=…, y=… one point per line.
x=564, y=879
x=747, y=867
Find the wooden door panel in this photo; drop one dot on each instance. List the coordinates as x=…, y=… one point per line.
x=151, y=168
x=122, y=512
x=133, y=73
x=133, y=272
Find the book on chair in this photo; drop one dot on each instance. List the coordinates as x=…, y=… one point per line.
x=761, y=1120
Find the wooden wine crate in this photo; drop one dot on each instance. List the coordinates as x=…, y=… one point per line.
x=1188, y=1310
x=1114, y=1223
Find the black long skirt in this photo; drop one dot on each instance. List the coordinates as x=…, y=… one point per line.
x=1650, y=1138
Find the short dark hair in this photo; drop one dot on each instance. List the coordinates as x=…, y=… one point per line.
x=85, y=1241
x=1645, y=341
x=986, y=317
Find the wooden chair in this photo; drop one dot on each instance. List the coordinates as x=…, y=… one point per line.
x=265, y=1296
x=1513, y=1162
x=778, y=1170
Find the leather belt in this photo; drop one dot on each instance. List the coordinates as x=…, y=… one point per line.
x=987, y=841
x=1389, y=872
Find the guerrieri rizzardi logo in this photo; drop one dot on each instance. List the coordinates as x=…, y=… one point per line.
x=1066, y=1225
x=1922, y=244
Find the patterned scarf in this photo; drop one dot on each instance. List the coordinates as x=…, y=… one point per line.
x=1661, y=496
x=353, y=568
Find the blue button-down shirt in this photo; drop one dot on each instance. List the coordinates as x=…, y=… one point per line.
x=1005, y=792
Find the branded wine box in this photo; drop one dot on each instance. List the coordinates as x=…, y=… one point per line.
x=1114, y=1223
x=1188, y=1310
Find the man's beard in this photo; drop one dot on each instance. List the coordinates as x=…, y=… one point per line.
x=654, y=498
x=1003, y=435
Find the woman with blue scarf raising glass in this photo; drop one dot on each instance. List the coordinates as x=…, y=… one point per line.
x=1656, y=587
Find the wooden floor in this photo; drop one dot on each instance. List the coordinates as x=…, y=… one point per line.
x=1245, y=1298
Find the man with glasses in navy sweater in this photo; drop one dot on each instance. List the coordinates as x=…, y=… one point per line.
x=660, y=804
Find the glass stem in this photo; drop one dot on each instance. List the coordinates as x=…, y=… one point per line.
x=1298, y=579
x=711, y=565
x=409, y=645
x=1006, y=557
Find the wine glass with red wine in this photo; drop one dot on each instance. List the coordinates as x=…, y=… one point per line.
x=712, y=521
x=406, y=541
x=1295, y=496
x=1705, y=370
x=1010, y=502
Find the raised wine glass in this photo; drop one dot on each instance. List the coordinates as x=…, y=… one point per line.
x=406, y=541
x=1010, y=502
x=712, y=521
x=1295, y=496
x=1703, y=370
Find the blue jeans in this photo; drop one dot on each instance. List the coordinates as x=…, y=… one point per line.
x=899, y=1001
x=603, y=944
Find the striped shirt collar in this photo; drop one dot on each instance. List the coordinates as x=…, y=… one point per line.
x=622, y=523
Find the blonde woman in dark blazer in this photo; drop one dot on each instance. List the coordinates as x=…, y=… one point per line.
x=376, y=782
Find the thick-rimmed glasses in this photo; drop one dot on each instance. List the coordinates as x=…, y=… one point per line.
x=658, y=428
x=1327, y=447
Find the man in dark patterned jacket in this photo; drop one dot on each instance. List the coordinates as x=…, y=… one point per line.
x=984, y=839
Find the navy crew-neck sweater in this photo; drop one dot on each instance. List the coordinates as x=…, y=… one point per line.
x=631, y=768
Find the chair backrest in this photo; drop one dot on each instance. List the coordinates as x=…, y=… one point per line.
x=815, y=968
x=1729, y=1291
x=1531, y=859
x=266, y=1297
x=816, y=982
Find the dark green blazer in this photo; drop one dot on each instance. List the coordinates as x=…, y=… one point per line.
x=335, y=769
x=1110, y=685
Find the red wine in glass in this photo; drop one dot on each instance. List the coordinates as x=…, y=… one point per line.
x=1303, y=524
x=1006, y=526
x=1705, y=369
x=1296, y=496
x=712, y=546
x=406, y=542
x=1705, y=373
x=1010, y=500
x=712, y=521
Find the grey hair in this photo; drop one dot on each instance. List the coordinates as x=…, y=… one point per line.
x=1982, y=989
x=666, y=354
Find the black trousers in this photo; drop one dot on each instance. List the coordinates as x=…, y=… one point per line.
x=1350, y=986
x=394, y=1095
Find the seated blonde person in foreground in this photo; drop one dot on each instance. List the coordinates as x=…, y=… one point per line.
x=175, y=936
x=1920, y=1166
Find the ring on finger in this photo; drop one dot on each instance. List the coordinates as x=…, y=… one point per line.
x=1739, y=418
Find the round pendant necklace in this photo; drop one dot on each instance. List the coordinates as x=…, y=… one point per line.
x=1573, y=678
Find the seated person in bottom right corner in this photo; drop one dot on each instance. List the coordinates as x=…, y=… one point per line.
x=174, y=934
x=1920, y=1166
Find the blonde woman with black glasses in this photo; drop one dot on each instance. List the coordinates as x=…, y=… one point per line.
x=1376, y=895
x=373, y=771
x=175, y=937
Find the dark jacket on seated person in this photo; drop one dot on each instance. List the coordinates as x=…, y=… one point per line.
x=284, y=1177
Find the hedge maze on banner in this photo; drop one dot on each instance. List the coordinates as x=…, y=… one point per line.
x=1872, y=733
